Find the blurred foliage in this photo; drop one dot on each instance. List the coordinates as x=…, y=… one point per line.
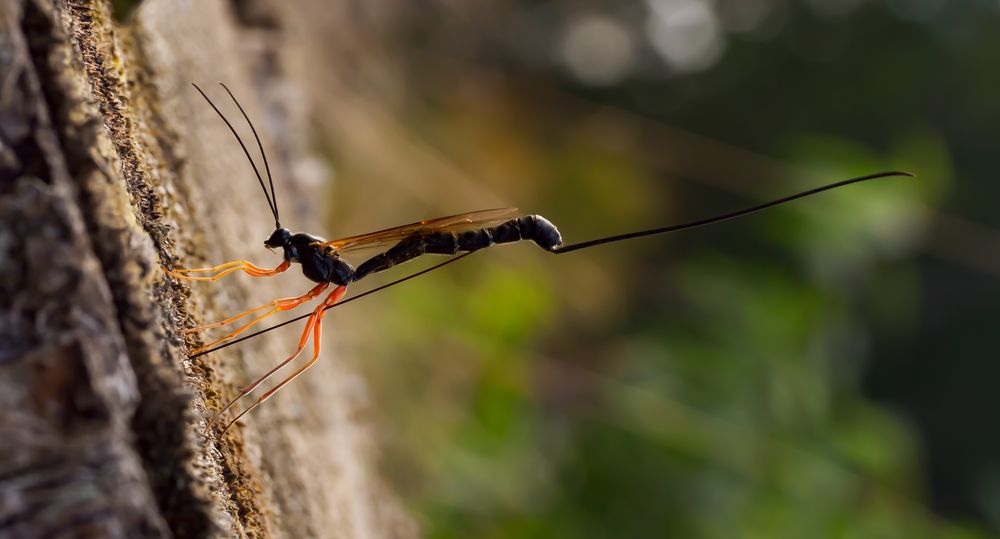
x=762, y=378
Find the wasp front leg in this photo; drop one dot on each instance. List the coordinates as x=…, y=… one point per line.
x=226, y=269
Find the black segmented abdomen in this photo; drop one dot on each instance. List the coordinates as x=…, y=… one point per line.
x=530, y=227
x=539, y=230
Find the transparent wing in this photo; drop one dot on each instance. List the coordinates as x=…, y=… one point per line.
x=461, y=221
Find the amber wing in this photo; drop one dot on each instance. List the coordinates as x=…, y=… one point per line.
x=461, y=221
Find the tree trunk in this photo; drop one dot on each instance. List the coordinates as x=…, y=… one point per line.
x=111, y=166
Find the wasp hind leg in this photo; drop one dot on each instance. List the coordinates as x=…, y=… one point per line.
x=277, y=305
x=226, y=269
x=315, y=326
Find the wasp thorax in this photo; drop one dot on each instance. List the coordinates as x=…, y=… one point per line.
x=341, y=272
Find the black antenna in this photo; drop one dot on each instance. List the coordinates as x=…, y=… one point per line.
x=267, y=169
x=725, y=217
x=260, y=180
x=346, y=301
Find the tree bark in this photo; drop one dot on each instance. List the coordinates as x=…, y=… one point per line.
x=111, y=166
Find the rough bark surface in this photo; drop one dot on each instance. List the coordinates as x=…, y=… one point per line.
x=111, y=166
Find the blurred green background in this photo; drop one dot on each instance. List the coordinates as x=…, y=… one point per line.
x=819, y=370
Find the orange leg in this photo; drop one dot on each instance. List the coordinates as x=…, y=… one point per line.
x=310, y=323
x=314, y=325
x=277, y=305
x=228, y=268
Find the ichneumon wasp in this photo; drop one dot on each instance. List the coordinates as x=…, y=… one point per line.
x=323, y=261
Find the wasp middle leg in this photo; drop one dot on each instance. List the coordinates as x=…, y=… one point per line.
x=278, y=305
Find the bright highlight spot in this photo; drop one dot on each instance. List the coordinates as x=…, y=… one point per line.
x=685, y=33
x=598, y=50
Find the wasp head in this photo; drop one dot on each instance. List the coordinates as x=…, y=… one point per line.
x=280, y=238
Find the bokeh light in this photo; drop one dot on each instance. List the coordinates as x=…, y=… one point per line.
x=685, y=33
x=598, y=50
